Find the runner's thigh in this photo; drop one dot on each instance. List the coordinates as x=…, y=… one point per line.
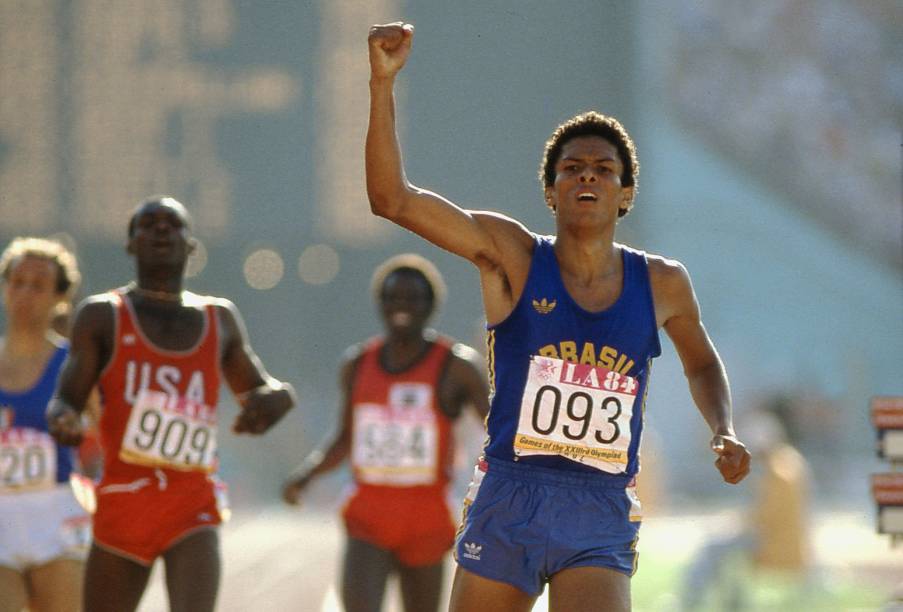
x=588, y=589
x=473, y=593
x=113, y=583
x=421, y=586
x=13, y=593
x=193, y=571
x=364, y=575
x=57, y=586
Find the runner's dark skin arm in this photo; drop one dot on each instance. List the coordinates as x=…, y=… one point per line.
x=463, y=383
x=90, y=349
x=321, y=462
x=264, y=400
x=677, y=311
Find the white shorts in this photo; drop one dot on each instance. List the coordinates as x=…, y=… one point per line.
x=37, y=527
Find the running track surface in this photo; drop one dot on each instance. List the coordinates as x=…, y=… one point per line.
x=282, y=558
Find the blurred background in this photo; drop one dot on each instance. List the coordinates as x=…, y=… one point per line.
x=769, y=138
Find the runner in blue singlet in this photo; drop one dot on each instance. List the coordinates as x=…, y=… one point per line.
x=44, y=533
x=573, y=328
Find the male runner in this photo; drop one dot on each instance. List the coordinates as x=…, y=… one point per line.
x=401, y=394
x=157, y=354
x=573, y=322
x=44, y=533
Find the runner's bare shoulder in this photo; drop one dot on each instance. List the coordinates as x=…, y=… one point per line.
x=95, y=314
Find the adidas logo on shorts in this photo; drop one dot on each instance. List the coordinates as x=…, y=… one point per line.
x=472, y=551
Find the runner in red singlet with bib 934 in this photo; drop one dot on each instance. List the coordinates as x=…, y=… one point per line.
x=401, y=394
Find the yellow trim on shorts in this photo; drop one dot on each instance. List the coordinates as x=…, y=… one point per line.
x=636, y=556
x=490, y=360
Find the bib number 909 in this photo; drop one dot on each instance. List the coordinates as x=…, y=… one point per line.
x=180, y=434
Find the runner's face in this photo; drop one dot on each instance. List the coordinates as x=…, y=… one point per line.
x=161, y=235
x=588, y=180
x=29, y=292
x=405, y=303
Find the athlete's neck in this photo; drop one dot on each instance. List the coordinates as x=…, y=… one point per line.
x=159, y=292
x=25, y=343
x=401, y=351
x=587, y=260
x=157, y=281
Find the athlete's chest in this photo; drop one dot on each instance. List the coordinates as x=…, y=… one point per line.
x=172, y=329
x=20, y=375
x=595, y=295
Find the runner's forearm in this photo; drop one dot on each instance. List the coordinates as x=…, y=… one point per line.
x=711, y=394
x=384, y=169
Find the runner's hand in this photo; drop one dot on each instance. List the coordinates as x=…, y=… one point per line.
x=65, y=424
x=259, y=412
x=733, y=458
x=291, y=491
x=390, y=45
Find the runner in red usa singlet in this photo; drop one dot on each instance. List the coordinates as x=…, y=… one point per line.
x=158, y=430
x=157, y=354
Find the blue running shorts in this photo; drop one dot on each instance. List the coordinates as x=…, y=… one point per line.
x=522, y=524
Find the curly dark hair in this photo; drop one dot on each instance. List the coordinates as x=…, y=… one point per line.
x=592, y=123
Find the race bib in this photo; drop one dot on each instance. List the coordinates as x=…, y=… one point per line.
x=172, y=432
x=578, y=411
x=27, y=460
x=397, y=445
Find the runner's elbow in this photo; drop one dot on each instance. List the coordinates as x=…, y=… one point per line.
x=384, y=204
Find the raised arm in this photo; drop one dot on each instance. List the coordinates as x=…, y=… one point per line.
x=677, y=310
x=499, y=246
x=91, y=344
x=391, y=195
x=322, y=461
x=264, y=400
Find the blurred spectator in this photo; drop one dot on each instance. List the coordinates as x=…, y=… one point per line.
x=775, y=540
x=651, y=486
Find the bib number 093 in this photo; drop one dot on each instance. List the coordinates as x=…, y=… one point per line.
x=579, y=411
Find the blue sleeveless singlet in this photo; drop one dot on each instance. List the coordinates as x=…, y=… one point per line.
x=548, y=323
x=28, y=408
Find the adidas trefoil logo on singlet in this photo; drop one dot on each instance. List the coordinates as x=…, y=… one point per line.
x=472, y=551
x=544, y=306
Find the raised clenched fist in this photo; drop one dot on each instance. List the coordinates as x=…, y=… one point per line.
x=390, y=45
